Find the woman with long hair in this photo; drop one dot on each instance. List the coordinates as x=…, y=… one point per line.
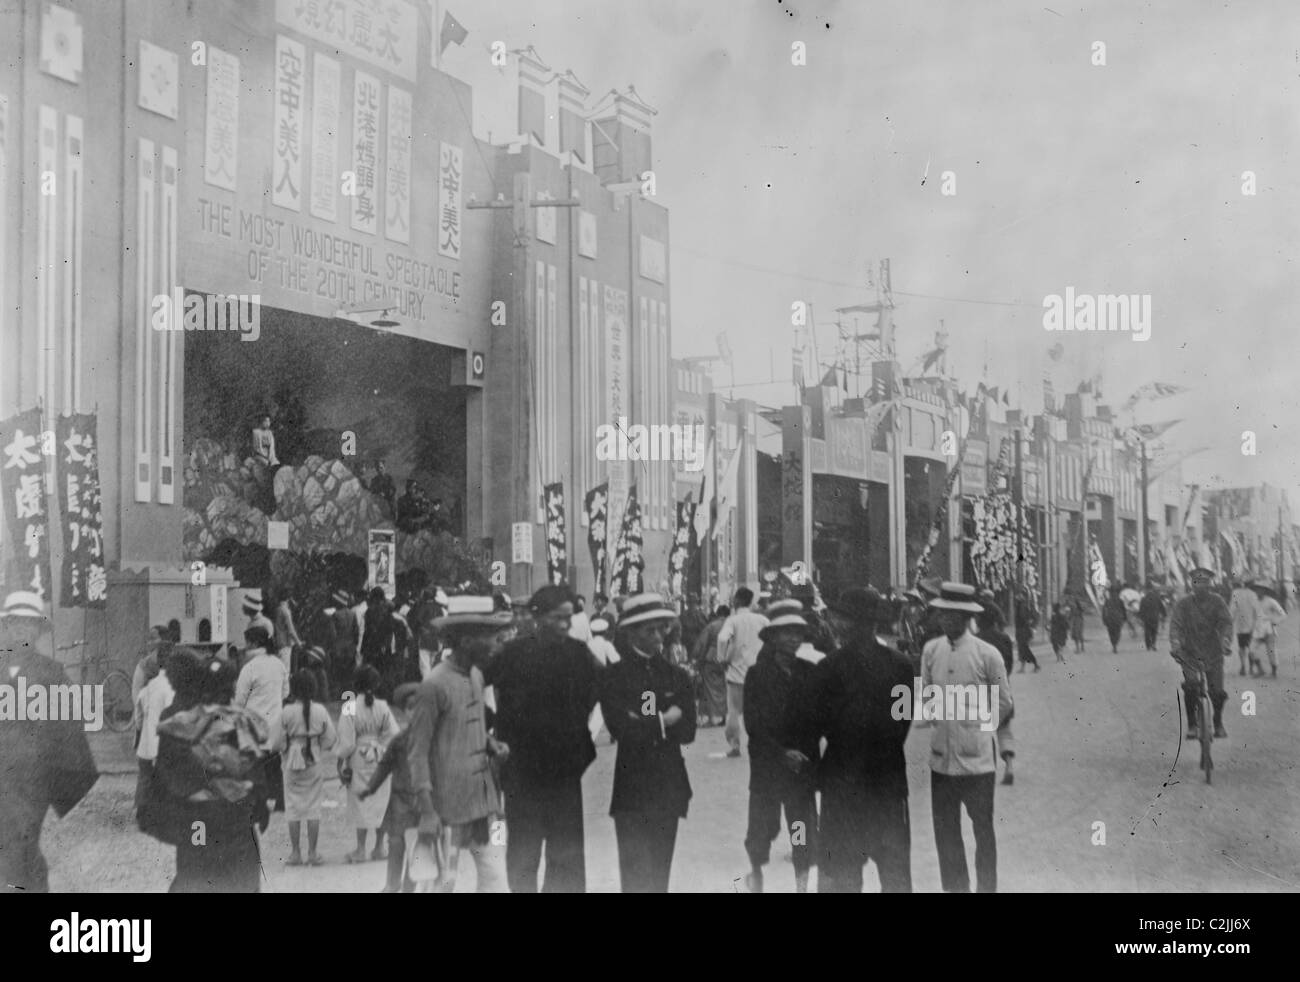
x=365, y=729
x=306, y=732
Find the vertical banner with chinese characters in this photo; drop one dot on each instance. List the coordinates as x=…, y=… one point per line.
x=598, y=532
x=629, y=564
x=286, y=188
x=616, y=402
x=557, y=551
x=22, y=482
x=449, y=181
x=383, y=561
x=84, y=580
x=324, y=137
x=365, y=150
x=680, y=554
x=397, y=188
x=221, y=133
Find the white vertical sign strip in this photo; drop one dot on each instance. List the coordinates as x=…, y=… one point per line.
x=540, y=407
x=144, y=291
x=450, y=171
x=46, y=297
x=646, y=495
x=552, y=379
x=221, y=135
x=5, y=360
x=397, y=185
x=286, y=160
x=73, y=193
x=586, y=429
x=365, y=150
x=658, y=415
x=168, y=340
x=324, y=138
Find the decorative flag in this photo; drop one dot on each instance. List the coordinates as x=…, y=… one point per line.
x=1154, y=390
x=597, y=507
x=797, y=366
x=1149, y=431
x=557, y=553
x=727, y=491
x=452, y=32
x=159, y=90
x=22, y=482
x=1049, y=396
x=85, y=583
x=702, y=509
x=680, y=553
x=629, y=565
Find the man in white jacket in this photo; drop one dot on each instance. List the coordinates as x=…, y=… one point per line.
x=739, y=643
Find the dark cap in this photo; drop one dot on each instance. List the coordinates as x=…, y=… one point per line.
x=862, y=605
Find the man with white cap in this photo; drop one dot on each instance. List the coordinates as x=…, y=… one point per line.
x=649, y=707
x=963, y=756
x=783, y=746
x=43, y=763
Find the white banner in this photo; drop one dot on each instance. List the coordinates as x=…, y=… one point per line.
x=616, y=397
x=450, y=171
x=286, y=167
x=521, y=542
x=397, y=186
x=365, y=152
x=221, y=142
x=382, y=554
x=324, y=138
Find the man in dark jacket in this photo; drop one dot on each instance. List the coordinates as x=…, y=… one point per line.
x=783, y=748
x=1114, y=615
x=863, y=773
x=1151, y=610
x=545, y=691
x=710, y=672
x=43, y=763
x=1200, y=638
x=650, y=711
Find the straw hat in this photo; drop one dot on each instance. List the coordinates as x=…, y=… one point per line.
x=645, y=607
x=780, y=621
x=24, y=603
x=956, y=596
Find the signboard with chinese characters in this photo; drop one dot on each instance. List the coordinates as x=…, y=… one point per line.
x=557, y=549
x=974, y=469
x=365, y=149
x=521, y=542
x=616, y=396
x=290, y=76
x=324, y=137
x=397, y=185
x=382, y=33
x=22, y=482
x=587, y=234
x=217, y=610
x=221, y=141
x=450, y=169
x=846, y=447
x=85, y=581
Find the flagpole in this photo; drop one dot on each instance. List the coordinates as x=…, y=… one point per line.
x=437, y=34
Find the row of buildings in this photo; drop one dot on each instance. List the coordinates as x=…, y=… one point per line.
x=219, y=211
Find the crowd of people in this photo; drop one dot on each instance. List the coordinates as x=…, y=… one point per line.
x=466, y=726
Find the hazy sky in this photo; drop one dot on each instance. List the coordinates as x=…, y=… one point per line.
x=786, y=183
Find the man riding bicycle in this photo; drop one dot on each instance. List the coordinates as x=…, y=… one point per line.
x=1200, y=637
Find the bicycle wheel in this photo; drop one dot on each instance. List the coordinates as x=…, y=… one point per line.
x=1207, y=737
x=118, y=708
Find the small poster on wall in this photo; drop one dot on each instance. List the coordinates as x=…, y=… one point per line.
x=383, y=561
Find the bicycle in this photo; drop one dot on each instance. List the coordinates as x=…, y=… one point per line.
x=1205, y=725
x=119, y=708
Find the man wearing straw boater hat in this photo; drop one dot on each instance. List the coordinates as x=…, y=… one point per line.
x=863, y=772
x=452, y=756
x=649, y=707
x=545, y=687
x=963, y=758
x=43, y=763
x=783, y=745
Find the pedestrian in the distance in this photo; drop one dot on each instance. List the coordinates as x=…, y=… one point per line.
x=1151, y=612
x=990, y=623
x=1058, y=631
x=1026, y=621
x=1114, y=615
x=366, y=726
x=1244, y=608
x=650, y=711
x=783, y=748
x=1076, y=623
x=711, y=670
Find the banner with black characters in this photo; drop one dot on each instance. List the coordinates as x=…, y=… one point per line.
x=597, y=506
x=680, y=553
x=557, y=553
x=629, y=564
x=84, y=581
x=22, y=482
